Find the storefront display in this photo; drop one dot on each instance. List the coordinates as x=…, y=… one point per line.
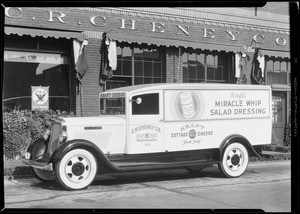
x=151, y=45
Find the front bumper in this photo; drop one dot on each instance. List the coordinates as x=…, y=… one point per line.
x=39, y=165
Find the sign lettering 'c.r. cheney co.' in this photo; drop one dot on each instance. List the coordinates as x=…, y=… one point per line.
x=133, y=25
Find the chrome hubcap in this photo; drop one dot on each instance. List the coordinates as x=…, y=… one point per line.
x=234, y=159
x=77, y=168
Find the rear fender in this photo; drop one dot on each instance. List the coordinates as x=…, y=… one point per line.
x=240, y=139
x=82, y=144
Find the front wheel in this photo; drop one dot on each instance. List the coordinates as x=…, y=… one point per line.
x=77, y=169
x=234, y=161
x=43, y=175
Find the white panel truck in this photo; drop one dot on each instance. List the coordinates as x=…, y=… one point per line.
x=157, y=126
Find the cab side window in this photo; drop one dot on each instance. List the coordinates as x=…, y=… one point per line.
x=145, y=104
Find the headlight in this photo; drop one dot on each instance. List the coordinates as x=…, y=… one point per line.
x=46, y=134
x=63, y=135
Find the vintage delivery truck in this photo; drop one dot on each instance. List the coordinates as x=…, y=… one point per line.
x=155, y=126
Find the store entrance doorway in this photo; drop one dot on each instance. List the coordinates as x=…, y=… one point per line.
x=279, y=116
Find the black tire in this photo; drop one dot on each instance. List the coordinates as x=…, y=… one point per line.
x=37, y=152
x=43, y=175
x=77, y=169
x=234, y=161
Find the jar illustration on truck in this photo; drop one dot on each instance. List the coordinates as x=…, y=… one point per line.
x=187, y=104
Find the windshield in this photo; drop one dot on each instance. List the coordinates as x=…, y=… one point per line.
x=111, y=106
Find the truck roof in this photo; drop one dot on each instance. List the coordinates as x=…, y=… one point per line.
x=183, y=86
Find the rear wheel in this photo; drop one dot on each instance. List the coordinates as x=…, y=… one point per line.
x=234, y=161
x=77, y=169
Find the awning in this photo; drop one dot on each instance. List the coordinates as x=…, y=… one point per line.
x=282, y=54
x=139, y=39
x=44, y=33
x=279, y=87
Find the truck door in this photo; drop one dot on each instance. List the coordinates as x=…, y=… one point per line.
x=145, y=123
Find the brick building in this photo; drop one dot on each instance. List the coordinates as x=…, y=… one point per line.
x=154, y=45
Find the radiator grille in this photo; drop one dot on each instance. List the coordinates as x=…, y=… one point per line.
x=53, y=141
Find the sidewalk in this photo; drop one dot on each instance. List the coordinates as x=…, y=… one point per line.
x=273, y=153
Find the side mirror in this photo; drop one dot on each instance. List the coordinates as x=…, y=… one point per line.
x=138, y=100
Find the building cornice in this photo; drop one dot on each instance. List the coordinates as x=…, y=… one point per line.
x=204, y=16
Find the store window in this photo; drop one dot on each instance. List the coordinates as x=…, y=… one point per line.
x=205, y=67
x=278, y=71
x=137, y=65
x=28, y=62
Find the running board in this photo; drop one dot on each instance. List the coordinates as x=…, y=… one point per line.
x=135, y=166
x=39, y=165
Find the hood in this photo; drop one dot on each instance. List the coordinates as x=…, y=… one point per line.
x=93, y=121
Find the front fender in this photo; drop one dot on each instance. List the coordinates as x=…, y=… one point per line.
x=240, y=139
x=82, y=144
x=37, y=148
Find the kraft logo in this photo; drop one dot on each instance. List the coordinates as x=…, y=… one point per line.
x=192, y=133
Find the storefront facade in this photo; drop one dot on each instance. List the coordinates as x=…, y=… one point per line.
x=154, y=45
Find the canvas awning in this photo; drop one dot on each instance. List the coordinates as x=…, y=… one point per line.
x=140, y=39
x=46, y=33
x=150, y=40
x=280, y=87
x=270, y=53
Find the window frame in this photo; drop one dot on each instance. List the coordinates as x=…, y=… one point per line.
x=286, y=71
x=66, y=53
x=216, y=56
x=132, y=78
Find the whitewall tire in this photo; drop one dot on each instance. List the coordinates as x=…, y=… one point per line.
x=234, y=161
x=77, y=169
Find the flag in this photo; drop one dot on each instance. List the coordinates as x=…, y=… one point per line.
x=112, y=55
x=81, y=64
x=241, y=61
x=238, y=57
x=108, y=64
x=261, y=60
x=258, y=66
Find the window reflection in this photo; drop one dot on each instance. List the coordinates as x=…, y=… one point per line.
x=35, y=69
x=277, y=109
x=204, y=67
x=278, y=71
x=138, y=65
